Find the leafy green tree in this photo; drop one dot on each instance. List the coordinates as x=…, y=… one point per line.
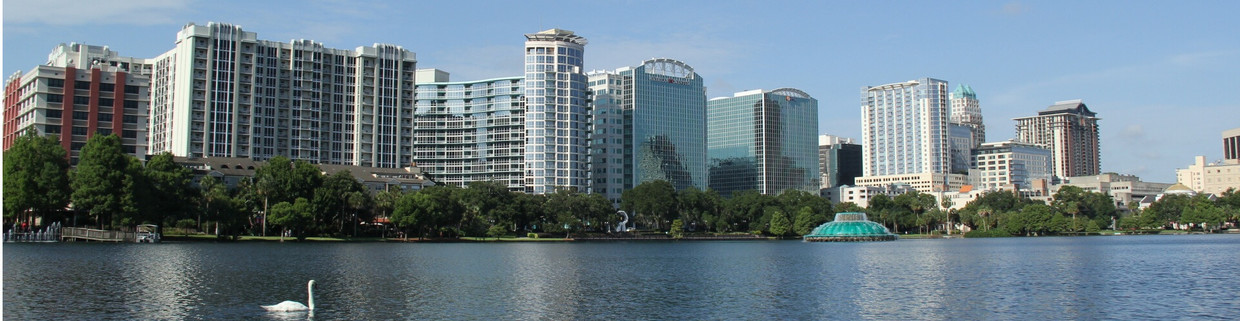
x=168, y=191
x=677, y=230
x=1201, y=210
x=652, y=203
x=1229, y=202
x=339, y=201
x=1165, y=210
x=806, y=220
x=430, y=209
x=215, y=200
x=698, y=207
x=405, y=214
x=848, y=207
x=284, y=180
x=1031, y=220
x=744, y=211
x=36, y=178
x=780, y=225
x=791, y=201
x=295, y=217
x=488, y=204
x=527, y=211
x=569, y=209
x=103, y=181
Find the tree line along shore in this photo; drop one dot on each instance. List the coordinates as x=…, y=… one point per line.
x=110, y=189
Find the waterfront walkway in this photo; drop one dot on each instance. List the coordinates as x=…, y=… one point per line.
x=95, y=235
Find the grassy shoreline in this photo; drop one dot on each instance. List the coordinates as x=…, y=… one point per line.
x=213, y=238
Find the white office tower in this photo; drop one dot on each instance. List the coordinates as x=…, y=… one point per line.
x=557, y=117
x=223, y=93
x=905, y=128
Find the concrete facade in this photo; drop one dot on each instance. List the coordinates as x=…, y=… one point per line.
x=83, y=91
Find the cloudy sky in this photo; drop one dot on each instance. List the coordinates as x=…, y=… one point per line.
x=1162, y=75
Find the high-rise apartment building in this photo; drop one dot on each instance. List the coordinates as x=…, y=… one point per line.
x=611, y=163
x=82, y=91
x=764, y=141
x=1231, y=144
x=1070, y=130
x=557, y=118
x=660, y=106
x=470, y=131
x=839, y=160
x=905, y=128
x=967, y=111
x=1002, y=164
x=222, y=92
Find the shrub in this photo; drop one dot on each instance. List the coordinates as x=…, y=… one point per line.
x=990, y=233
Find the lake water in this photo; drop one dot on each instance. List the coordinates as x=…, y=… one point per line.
x=1080, y=278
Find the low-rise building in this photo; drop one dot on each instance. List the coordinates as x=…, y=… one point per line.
x=922, y=182
x=1123, y=189
x=1214, y=178
x=232, y=170
x=861, y=195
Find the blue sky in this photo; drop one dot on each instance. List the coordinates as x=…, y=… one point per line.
x=1162, y=75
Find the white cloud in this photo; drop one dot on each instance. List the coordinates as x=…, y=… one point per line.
x=1202, y=58
x=1014, y=8
x=70, y=12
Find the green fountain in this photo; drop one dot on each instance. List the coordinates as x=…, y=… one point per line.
x=850, y=227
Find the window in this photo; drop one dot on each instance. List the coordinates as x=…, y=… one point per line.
x=81, y=115
x=55, y=98
x=105, y=117
x=132, y=104
x=51, y=129
x=131, y=89
x=80, y=100
x=55, y=82
x=79, y=130
x=54, y=113
x=129, y=134
x=107, y=87
x=130, y=119
x=105, y=101
x=82, y=85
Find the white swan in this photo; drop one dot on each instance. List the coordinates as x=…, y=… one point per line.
x=287, y=306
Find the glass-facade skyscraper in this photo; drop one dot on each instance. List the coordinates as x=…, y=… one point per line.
x=763, y=140
x=557, y=118
x=904, y=128
x=650, y=124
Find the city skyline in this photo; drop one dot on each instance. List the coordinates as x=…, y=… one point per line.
x=1151, y=72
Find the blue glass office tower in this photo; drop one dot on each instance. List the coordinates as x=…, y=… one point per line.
x=557, y=118
x=660, y=107
x=763, y=140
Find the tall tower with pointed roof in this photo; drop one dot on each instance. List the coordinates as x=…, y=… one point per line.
x=1070, y=130
x=968, y=112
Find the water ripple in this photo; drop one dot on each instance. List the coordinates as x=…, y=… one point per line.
x=1146, y=277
